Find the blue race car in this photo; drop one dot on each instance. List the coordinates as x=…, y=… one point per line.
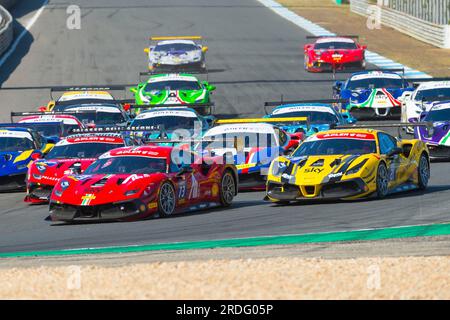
x=321, y=117
x=372, y=94
x=175, y=122
x=19, y=147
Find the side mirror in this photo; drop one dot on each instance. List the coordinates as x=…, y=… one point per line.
x=76, y=169
x=364, y=47
x=337, y=87
x=134, y=90
x=36, y=156
x=394, y=152
x=208, y=86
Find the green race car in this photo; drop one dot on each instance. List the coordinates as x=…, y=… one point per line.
x=173, y=89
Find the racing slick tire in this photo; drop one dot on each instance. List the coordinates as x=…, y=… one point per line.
x=166, y=200
x=382, y=181
x=423, y=171
x=227, y=189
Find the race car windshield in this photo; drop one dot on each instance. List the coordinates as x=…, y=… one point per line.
x=335, y=45
x=14, y=144
x=81, y=150
x=244, y=139
x=48, y=131
x=371, y=83
x=314, y=116
x=127, y=165
x=100, y=118
x=328, y=147
x=175, y=47
x=432, y=93
x=169, y=123
x=172, y=85
x=438, y=115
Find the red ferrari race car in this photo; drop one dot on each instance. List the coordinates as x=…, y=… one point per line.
x=133, y=183
x=71, y=155
x=330, y=53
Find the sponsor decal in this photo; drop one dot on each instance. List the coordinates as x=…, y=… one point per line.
x=313, y=170
x=346, y=135
x=335, y=175
x=245, y=166
x=87, y=199
x=132, y=178
x=152, y=205
x=215, y=190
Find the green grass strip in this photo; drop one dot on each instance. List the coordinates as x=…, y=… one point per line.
x=357, y=235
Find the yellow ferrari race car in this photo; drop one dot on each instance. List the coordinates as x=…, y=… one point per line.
x=348, y=164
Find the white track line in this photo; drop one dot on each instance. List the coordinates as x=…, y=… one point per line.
x=16, y=42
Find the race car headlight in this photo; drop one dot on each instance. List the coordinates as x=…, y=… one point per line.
x=64, y=184
x=278, y=168
x=37, y=176
x=42, y=168
x=356, y=168
x=131, y=192
x=21, y=166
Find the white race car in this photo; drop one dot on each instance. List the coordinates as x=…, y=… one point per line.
x=422, y=99
x=176, y=53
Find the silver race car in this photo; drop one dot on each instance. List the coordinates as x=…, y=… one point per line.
x=176, y=54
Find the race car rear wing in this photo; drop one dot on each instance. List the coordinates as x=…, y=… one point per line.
x=417, y=81
x=399, y=126
x=265, y=120
x=44, y=113
x=333, y=36
x=285, y=102
x=192, y=106
x=161, y=38
x=118, y=129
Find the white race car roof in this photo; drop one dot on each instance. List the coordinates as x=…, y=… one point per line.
x=172, y=77
x=284, y=110
x=375, y=74
x=66, y=119
x=166, y=113
x=97, y=108
x=241, y=128
x=15, y=134
x=75, y=95
x=335, y=39
x=433, y=85
x=175, y=41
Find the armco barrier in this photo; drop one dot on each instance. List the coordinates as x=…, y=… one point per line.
x=434, y=34
x=6, y=30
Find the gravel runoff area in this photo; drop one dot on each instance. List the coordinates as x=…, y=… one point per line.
x=268, y=278
x=311, y=271
x=385, y=41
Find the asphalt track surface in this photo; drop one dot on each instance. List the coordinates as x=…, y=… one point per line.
x=255, y=55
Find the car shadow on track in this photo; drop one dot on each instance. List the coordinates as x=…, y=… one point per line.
x=397, y=195
x=235, y=205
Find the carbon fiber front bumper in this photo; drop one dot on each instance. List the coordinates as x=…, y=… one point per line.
x=439, y=152
x=107, y=212
x=334, y=190
x=367, y=113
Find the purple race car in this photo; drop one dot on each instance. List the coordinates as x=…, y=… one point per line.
x=438, y=137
